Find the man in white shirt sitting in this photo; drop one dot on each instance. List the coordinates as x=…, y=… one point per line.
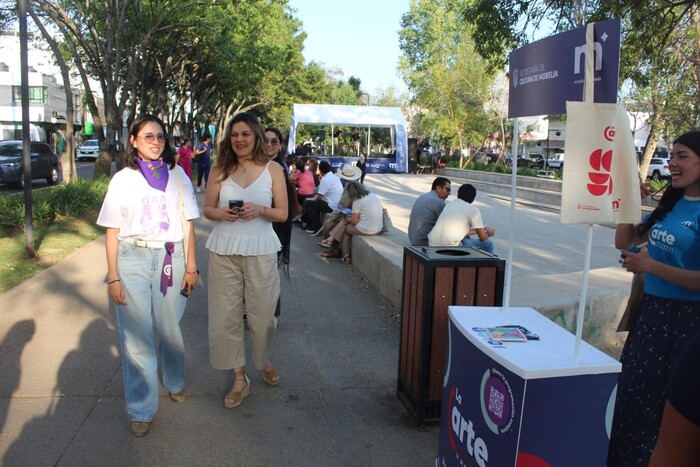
x=460, y=219
x=326, y=200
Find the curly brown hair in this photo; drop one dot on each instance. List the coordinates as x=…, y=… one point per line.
x=227, y=157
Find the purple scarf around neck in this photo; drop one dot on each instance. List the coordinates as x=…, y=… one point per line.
x=155, y=173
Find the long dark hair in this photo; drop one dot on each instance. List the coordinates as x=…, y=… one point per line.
x=672, y=195
x=227, y=158
x=136, y=126
x=279, y=157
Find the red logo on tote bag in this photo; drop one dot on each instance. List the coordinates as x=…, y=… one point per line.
x=601, y=180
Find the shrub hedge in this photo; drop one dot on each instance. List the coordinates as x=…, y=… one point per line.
x=65, y=200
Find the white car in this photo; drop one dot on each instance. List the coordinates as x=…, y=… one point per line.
x=90, y=149
x=658, y=169
x=556, y=161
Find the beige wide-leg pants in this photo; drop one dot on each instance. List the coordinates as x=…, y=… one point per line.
x=231, y=278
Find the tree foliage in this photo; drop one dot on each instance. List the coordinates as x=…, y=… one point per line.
x=193, y=63
x=448, y=80
x=660, y=56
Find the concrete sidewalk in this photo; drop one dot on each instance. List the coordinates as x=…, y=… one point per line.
x=336, y=349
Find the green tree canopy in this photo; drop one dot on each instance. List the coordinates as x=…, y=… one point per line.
x=450, y=83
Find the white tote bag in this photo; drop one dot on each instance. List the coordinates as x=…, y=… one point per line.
x=601, y=182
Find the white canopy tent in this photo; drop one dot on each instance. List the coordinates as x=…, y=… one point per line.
x=355, y=115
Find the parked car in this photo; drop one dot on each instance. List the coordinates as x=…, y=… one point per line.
x=44, y=163
x=658, y=169
x=90, y=149
x=556, y=161
x=532, y=161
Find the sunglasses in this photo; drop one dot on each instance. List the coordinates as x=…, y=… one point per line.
x=149, y=138
x=272, y=141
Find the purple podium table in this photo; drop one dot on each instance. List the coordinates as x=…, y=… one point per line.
x=524, y=404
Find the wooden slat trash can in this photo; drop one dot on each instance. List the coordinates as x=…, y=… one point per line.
x=433, y=279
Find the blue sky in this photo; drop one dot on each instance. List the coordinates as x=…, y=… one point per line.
x=358, y=36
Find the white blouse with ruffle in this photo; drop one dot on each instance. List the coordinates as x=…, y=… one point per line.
x=245, y=237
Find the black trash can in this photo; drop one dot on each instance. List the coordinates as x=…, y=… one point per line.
x=433, y=279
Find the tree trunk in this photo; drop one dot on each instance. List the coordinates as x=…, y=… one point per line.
x=69, y=149
x=655, y=133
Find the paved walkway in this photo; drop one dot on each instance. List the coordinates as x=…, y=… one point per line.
x=61, y=398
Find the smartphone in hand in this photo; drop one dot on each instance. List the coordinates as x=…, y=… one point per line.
x=235, y=206
x=633, y=248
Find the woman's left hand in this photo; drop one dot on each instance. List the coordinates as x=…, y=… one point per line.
x=190, y=280
x=636, y=262
x=250, y=211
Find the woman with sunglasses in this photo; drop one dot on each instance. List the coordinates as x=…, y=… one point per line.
x=275, y=151
x=148, y=275
x=669, y=314
x=246, y=193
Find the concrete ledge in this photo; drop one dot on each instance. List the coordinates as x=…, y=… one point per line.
x=606, y=299
x=534, y=189
x=380, y=260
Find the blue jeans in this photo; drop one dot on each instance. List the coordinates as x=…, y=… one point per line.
x=147, y=314
x=203, y=168
x=486, y=245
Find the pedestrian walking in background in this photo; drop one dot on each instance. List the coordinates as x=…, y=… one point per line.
x=203, y=156
x=669, y=314
x=147, y=267
x=245, y=195
x=184, y=157
x=362, y=165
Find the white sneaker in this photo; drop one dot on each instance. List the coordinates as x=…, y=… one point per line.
x=199, y=190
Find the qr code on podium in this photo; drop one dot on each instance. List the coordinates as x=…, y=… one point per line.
x=496, y=399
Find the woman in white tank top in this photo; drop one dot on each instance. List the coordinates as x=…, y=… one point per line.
x=243, y=252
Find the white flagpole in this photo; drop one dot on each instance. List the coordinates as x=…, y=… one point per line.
x=584, y=290
x=511, y=234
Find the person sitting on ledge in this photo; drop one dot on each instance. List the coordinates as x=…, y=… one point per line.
x=426, y=210
x=326, y=200
x=460, y=219
x=366, y=218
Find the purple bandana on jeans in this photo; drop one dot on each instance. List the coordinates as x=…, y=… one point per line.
x=155, y=172
x=166, y=275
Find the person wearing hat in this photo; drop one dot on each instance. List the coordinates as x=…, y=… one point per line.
x=350, y=173
x=330, y=189
x=365, y=218
x=669, y=314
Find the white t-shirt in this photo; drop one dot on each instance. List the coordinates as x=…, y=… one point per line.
x=371, y=214
x=144, y=213
x=331, y=188
x=455, y=221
